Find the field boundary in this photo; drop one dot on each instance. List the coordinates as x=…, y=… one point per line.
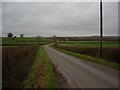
x=90, y=58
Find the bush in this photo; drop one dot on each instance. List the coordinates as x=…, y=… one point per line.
x=16, y=63
x=111, y=54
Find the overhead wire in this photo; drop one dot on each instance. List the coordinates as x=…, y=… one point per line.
x=79, y=14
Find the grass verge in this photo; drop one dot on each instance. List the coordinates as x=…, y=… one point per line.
x=89, y=58
x=41, y=74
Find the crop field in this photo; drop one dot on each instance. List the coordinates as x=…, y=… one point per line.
x=113, y=44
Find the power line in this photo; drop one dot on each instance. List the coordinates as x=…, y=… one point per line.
x=79, y=14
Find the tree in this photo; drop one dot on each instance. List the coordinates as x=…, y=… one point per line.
x=10, y=35
x=39, y=38
x=15, y=37
x=21, y=35
x=56, y=39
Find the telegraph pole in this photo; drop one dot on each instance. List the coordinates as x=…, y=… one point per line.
x=101, y=28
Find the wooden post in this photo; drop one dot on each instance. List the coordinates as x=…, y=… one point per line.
x=101, y=29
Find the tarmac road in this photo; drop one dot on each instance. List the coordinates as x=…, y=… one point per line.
x=83, y=74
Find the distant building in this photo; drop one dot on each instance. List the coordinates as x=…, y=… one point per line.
x=67, y=39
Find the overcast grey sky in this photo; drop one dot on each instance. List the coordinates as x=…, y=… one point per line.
x=60, y=18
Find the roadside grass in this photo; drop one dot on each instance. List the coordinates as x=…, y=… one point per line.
x=41, y=72
x=90, y=58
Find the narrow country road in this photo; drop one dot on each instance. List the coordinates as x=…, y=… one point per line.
x=83, y=74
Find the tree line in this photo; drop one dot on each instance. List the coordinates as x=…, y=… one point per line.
x=10, y=35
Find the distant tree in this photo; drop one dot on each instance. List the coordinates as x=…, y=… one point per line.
x=39, y=38
x=15, y=37
x=56, y=39
x=21, y=35
x=10, y=35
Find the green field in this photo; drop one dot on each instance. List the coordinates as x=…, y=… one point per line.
x=28, y=39
x=113, y=44
x=33, y=40
x=88, y=41
x=8, y=46
x=8, y=42
x=13, y=42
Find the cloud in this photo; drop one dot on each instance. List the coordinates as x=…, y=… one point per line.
x=60, y=18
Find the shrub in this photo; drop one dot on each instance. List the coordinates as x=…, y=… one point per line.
x=16, y=63
x=111, y=54
x=10, y=35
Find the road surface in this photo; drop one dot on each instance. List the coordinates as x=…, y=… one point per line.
x=83, y=74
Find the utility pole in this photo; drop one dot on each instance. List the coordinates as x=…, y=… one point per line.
x=101, y=28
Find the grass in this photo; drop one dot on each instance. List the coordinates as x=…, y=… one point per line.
x=113, y=44
x=88, y=41
x=24, y=42
x=92, y=59
x=46, y=81
x=8, y=46
x=90, y=45
x=24, y=39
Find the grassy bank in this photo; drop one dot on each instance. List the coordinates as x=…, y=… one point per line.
x=89, y=58
x=41, y=74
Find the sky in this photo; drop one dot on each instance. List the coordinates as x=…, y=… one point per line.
x=58, y=18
